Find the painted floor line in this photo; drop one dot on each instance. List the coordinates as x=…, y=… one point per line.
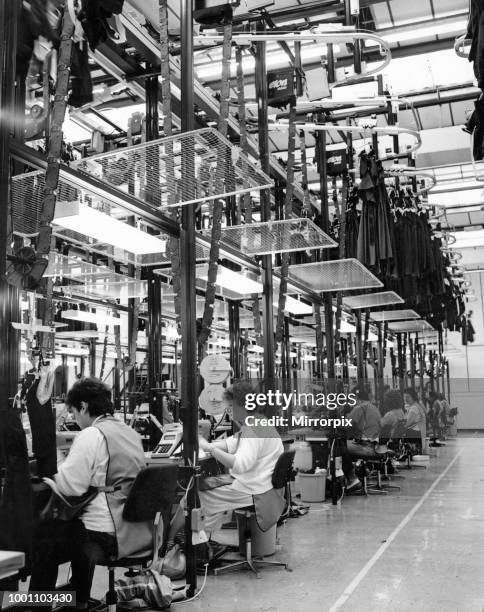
x=350, y=589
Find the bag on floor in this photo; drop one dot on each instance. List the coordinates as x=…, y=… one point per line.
x=173, y=565
x=153, y=588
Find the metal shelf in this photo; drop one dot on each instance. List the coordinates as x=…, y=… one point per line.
x=267, y=238
x=154, y=172
x=411, y=327
x=339, y=275
x=372, y=300
x=380, y=316
x=26, y=197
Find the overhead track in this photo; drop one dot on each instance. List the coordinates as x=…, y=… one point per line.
x=340, y=35
x=391, y=130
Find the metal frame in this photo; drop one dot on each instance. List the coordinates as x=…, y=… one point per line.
x=388, y=131
x=343, y=34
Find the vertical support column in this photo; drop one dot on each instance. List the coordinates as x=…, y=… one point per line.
x=360, y=366
x=324, y=223
x=234, y=337
x=265, y=204
x=188, y=294
x=9, y=296
x=379, y=369
x=154, y=347
x=401, y=367
x=412, y=361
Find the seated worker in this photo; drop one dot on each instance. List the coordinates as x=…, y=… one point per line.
x=393, y=413
x=416, y=417
x=363, y=437
x=365, y=422
x=251, y=456
x=105, y=453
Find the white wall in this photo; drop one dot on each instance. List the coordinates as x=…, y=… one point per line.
x=467, y=369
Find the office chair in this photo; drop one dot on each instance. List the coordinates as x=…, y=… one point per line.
x=150, y=499
x=280, y=478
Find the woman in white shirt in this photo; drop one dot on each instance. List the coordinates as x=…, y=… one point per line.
x=250, y=456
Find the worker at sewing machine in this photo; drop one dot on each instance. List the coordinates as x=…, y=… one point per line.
x=106, y=452
x=250, y=457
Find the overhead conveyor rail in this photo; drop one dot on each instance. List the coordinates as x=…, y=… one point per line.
x=137, y=207
x=391, y=130
x=336, y=35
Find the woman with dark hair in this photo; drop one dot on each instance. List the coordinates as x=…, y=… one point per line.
x=250, y=457
x=106, y=455
x=393, y=412
x=416, y=417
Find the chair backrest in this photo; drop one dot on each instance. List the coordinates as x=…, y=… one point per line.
x=283, y=469
x=153, y=491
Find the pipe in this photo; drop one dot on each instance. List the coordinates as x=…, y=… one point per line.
x=188, y=292
x=265, y=205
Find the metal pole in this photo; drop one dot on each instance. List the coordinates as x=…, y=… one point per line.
x=154, y=348
x=9, y=296
x=188, y=293
x=265, y=204
x=324, y=223
x=412, y=362
x=360, y=370
x=400, y=363
x=234, y=337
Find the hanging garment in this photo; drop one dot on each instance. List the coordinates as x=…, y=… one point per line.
x=94, y=17
x=475, y=32
x=470, y=331
x=16, y=511
x=375, y=247
x=42, y=423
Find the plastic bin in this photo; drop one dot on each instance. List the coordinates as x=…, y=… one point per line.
x=313, y=487
x=263, y=542
x=303, y=459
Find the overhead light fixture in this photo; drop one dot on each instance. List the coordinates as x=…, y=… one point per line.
x=83, y=219
x=97, y=318
x=419, y=31
x=296, y=307
x=308, y=358
x=233, y=281
x=72, y=350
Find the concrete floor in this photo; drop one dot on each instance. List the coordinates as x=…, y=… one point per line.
x=420, y=549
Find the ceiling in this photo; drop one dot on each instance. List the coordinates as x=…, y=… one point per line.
x=435, y=88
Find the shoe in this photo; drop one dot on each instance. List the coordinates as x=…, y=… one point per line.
x=354, y=485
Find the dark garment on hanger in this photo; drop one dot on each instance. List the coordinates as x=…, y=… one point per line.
x=94, y=17
x=475, y=32
x=42, y=424
x=16, y=512
x=470, y=331
x=81, y=83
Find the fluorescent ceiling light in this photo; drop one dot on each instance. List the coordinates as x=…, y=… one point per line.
x=97, y=318
x=72, y=350
x=309, y=52
x=468, y=240
x=255, y=348
x=233, y=281
x=79, y=217
x=296, y=307
x=417, y=32
x=308, y=358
